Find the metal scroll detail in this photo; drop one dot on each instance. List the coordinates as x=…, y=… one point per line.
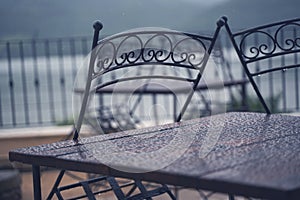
x=150, y=47
x=292, y=41
x=266, y=41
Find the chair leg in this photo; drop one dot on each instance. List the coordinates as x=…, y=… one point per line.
x=172, y=196
x=58, y=195
x=88, y=190
x=148, y=194
x=129, y=193
x=141, y=188
x=116, y=188
x=56, y=184
x=176, y=192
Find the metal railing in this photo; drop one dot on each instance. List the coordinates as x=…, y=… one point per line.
x=36, y=79
x=37, y=76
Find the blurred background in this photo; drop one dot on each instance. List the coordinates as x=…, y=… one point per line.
x=43, y=44
x=60, y=18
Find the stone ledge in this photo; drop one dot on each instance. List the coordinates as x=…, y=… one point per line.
x=22, y=137
x=35, y=132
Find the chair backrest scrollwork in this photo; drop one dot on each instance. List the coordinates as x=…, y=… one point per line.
x=146, y=54
x=266, y=50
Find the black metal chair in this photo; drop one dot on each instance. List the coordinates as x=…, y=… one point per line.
x=270, y=56
x=162, y=58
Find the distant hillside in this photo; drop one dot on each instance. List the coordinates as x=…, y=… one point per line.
x=31, y=18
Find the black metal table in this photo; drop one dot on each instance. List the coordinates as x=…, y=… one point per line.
x=249, y=154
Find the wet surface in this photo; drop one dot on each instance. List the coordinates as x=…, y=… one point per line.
x=257, y=153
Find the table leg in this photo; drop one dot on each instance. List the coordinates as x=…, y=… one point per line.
x=230, y=197
x=36, y=182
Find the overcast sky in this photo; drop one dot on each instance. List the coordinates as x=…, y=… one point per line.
x=60, y=18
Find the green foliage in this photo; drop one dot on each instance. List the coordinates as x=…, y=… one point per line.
x=65, y=122
x=253, y=104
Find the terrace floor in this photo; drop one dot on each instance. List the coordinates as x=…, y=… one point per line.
x=49, y=177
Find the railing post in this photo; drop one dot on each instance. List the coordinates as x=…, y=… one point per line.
x=50, y=82
x=296, y=75
x=37, y=82
x=11, y=84
x=24, y=81
x=62, y=80
x=245, y=105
